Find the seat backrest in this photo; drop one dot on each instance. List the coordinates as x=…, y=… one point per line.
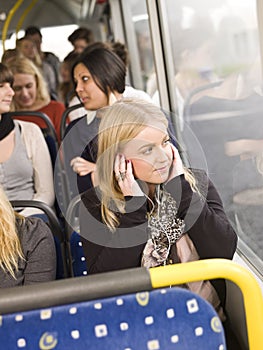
x=78, y=261
x=104, y=310
x=172, y=318
x=48, y=132
x=55, y=227
x=64, y=117
x=53, y=147
x=195, y=91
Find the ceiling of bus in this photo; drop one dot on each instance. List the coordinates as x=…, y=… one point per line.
x=46, y=13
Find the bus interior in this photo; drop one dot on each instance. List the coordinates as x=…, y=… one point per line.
x=201, y=62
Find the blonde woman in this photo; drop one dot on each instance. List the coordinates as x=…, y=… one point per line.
x=31, y=93
x=27, y=251
x=148, y=209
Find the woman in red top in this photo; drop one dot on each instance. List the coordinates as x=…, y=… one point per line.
x=31, y=93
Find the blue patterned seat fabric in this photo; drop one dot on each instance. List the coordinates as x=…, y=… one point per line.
x=171, y=318
x=79, y=265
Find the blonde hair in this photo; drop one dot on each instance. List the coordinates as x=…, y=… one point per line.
x=119, y=124
x=10, y=246
x=23, y=65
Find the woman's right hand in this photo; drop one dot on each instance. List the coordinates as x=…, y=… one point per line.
x=125, y=178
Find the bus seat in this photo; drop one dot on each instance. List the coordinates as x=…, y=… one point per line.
x=193, y=93
x=78, y=260
x=48, y=132
x=53, y=147
x=101, y=306
x=64, y=117
x=161, y=319
x=54, y=224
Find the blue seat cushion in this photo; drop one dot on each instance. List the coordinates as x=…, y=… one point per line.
x=171, y=318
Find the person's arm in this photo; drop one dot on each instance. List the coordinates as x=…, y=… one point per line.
x=43, y=173
x=38, y=152
x=85, y=166
x=205, y=219
x=82, y=166
x=39, y=250
x=105, y=250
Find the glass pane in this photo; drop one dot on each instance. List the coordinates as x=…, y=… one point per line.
x=58, y=44
x=140, y=26
x=219, y=100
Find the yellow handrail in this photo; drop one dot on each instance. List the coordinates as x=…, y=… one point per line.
x=219, y=268
x=7, y=21
x=24, y=14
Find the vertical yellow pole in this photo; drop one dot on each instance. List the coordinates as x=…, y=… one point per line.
x=7, y=21
x=24, y=14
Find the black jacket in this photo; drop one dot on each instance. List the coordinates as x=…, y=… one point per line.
x=205, y=222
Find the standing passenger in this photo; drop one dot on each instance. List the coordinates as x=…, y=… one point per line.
x=81, y=38
x=99, y=76
x=34, y=33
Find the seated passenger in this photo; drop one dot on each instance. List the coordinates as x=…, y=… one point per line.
x=27, y=250
x=31, y=93
x=26, y=169
x=148, y=209
x=120, y=50
x=99, y=75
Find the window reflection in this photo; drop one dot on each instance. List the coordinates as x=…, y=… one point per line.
x=140, y=23
x=218, y=90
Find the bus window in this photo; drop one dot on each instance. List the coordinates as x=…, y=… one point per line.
x=57, y=44
x=139, y=43
x=217, y=88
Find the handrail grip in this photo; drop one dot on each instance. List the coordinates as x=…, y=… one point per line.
x=24, y=14
x=46, y=209
x=41, y=115
x=8, y=20
x=219, y=268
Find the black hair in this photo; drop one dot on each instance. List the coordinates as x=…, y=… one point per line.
x=81, y=33
x=32, y=30
x=121, y=50
x=106, y=68
x=6, y=76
